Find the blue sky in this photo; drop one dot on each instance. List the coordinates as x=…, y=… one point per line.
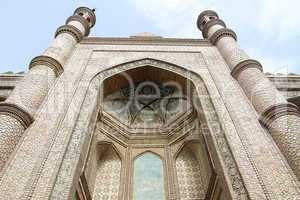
x=268, y=30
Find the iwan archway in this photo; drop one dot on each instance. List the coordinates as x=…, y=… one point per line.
x=156, y=136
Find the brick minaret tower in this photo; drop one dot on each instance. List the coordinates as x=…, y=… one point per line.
x=282, y=119
x=18, y=111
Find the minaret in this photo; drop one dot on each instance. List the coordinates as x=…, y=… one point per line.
x=18, y=111
x=281, y=118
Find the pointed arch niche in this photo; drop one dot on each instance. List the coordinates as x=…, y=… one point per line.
x=195, y=174
x=196, y=157
x=106, y=173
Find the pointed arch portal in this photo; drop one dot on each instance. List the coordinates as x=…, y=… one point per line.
x=149, y=135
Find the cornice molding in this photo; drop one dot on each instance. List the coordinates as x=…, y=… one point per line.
x=49, y=62
x=276, y=111
x=245, y=64
x=224, y=32
x=211, y=23
x=16, y=112
x=72, y=30
x=145, y=41
x=82, y=20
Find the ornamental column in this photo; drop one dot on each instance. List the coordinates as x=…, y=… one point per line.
x=281, y=118
x=17, y=112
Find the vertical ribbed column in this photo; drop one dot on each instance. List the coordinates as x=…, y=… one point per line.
x=281, y=118
x=17, y=112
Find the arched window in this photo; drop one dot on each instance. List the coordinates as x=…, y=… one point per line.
x=148, y=178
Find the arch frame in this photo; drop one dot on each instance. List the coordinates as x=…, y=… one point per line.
x=233, y=180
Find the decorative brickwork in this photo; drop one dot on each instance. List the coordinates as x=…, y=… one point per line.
x=265, y=98
x=47, y=61
x=211, y=23
x=82, y=20
x=244, y=65
x=277, y=111
x=16, y=112
x=108, y=176
x=30, y=93
x=10, y=133
x=70, y=29
x=224, y=32
x=190, y=182
x=285, y=132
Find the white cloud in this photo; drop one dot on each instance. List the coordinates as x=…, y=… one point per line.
x=174, y=17
x=280, y=18
x=270, y=22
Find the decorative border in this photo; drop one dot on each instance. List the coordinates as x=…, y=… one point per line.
x=49, y=62
x=72, y=30
x=223, y=32
x=82, y=20
x=250, y=63
x=276, y=111
x=16, y=112
x=146, y=41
